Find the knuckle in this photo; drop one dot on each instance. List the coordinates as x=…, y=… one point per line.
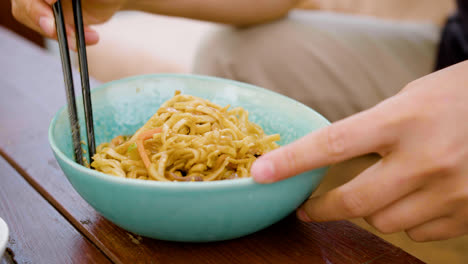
x=391, y=127
x=382, y=225
x=353, y=204
x=384, y=229
x=335, y=143
x=428, y=236
x=29, y=9
x=417, y=236
x=411, y=84
x=15, y=10
x=437, y=164
x=414, y=84
x=421, y=235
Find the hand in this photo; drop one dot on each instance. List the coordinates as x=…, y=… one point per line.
x=38, y=15
x=420, y=185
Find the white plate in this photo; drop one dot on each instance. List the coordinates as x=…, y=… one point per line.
x=3, y=236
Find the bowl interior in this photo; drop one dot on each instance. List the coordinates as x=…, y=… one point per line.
x=121, y=107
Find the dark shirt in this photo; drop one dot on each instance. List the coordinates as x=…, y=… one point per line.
x=453, y=47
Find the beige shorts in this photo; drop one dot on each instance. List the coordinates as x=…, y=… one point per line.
x=338, y=65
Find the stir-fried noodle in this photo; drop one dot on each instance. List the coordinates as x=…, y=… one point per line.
x=188, y=139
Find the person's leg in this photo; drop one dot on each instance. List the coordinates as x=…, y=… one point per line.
x=336, y=64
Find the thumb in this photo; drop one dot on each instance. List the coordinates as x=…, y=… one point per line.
x=366, y=132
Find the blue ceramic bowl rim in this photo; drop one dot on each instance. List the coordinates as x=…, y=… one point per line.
x=165, y=185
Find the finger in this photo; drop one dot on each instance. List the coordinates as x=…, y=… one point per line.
x=408, y=212
x=439, y=229
x=36, y=15
x=378, y=186
x=91, y=35
x=363, y=133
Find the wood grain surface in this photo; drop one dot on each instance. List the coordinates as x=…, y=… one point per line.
x=38, y=233
x=32, y=91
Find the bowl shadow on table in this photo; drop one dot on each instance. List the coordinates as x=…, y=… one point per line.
x=292, y=240
x=282, y=242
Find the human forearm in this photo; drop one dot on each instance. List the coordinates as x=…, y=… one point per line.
x=37, y=14
x=235, y=12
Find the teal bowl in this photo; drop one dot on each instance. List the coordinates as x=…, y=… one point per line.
x=186, y=211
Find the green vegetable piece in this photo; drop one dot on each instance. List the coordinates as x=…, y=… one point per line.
x=132, y=147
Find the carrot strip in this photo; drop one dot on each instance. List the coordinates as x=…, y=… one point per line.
x=141, y=148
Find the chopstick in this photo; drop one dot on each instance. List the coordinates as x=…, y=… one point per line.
x=83, y=62
x=68, y=78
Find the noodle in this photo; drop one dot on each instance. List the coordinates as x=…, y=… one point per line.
x=188, y=139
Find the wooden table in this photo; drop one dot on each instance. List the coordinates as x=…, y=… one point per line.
x=50, y=223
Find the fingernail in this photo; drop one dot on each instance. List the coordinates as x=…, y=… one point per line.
x=91, y=36
x=302, y=215
x=47, y=25
x=263, y=171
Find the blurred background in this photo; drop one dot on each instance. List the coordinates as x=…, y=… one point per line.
x=134, y=43
x=147, y=43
